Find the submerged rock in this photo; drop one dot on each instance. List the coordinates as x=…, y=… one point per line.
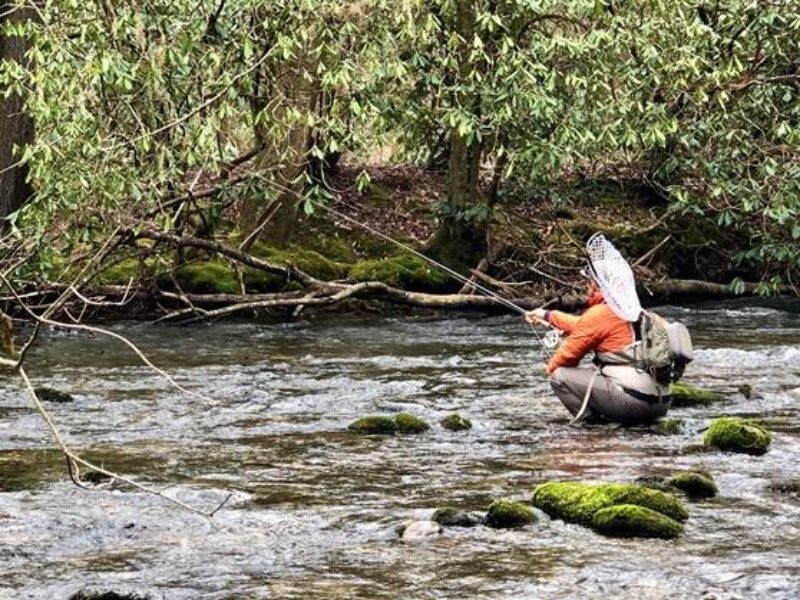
x=449, y=516
x=789, y=487
x=95, y=477
x=684, y=394
x=46, y=394
x=456, y=422
x=630, y=520
x=654, y=482
x=373, y=425
x=748, y=392
x=695, y=484
x=734, y=434
x=577, y=502
x=667, y=426
x=418, y=530
x=408, y=423
x=99, y=595
x=504, y=514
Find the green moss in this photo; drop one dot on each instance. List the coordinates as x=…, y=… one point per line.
x=630, y=520
x=408, y=423
x=734, y=434
x=684, y=394
x=405, y=271
x=373, y=425
x=205, y=277
x=331, y=247
x=576, y=502
x=693, y=484
x=308, y=261
x=122, y=272
x=668, y=426
x=508, y=513
x=449, y=516
x=456, y=422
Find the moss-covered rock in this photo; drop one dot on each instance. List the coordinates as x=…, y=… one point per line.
x=631, y=520
x=308, y=261
x=47, y=394
x=408, y=423
x=655, y=482
x=204, y=277
x=450, y=516
x=577, y=502
x=404, y=271
x=456, y=422
x=694, y=484
x=734, y=434
x=684, y=394
x=504, y=514
x=667, y=426
x=373, y=425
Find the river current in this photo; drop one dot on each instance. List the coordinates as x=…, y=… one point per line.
x=314, y=508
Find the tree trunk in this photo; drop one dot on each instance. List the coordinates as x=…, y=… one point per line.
x=16, y=128
x=461, y=242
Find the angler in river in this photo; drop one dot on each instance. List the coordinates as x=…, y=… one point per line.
x=637, y=354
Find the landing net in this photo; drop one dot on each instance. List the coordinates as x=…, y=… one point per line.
x=614, y=276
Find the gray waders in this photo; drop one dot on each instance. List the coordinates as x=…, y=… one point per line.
x=619, y=393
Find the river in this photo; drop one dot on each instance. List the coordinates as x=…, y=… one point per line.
x=314, y=508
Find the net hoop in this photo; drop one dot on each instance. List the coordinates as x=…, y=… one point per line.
x=614, y=277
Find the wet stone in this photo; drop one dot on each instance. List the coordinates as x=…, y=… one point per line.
x=694, y=484
x=373, y=425
x=449, y=516
x=408, y=423
x=504, y=514
x=684, y=394
x=456, y=422
x=95, y=477
x=630, y=520
x=105, y=595
x=788, y=487
x=46, y=394
x=418, y=530
x=734, y=434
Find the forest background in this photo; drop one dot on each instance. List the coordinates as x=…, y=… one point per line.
x=199, y=158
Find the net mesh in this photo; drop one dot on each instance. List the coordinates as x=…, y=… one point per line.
x=614, y=276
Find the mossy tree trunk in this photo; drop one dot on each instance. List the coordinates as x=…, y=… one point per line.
x=16, y=128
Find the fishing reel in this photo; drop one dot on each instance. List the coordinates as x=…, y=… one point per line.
x=552, y=339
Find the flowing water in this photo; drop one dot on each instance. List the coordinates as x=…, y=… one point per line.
x=314, y=508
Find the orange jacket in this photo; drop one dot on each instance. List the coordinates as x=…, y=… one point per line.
x=598, y=329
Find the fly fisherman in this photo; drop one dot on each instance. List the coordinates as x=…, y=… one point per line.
x=616, y=388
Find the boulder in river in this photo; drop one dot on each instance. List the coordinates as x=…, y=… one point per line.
x=373, y=425
x=734, y=434
x=450, y=516
x=418, y=530
x=630, y=520
x=408, y=423
x=684, y=394
x=46, y=394
x=456, y=422
x=577, y=502
x=505, y=514
x=667, y=426
x=695, y=484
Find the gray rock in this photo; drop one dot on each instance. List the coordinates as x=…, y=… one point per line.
x=419, y=530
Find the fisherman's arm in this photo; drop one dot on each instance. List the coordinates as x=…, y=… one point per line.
x=560, y=320
x=584, y=338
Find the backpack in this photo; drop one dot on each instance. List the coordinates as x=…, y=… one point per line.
x=666, y=347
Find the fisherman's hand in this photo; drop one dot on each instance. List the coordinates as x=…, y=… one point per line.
x=537, y=316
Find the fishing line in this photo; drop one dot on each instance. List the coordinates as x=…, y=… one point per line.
x=545, y=344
